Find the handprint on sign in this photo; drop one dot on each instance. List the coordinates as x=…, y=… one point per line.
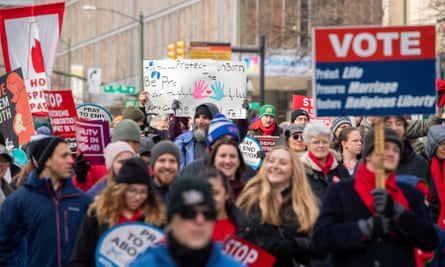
x=200, y=89
x=218, y=90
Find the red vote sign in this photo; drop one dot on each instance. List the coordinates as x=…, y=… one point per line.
x=247, y=253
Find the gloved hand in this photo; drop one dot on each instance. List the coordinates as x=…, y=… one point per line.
x=385, y=204
x=81, y=168
x=375, y=226
x=246, y=104
x=176, y=104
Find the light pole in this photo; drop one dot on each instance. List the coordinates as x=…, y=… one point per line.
x=139, y=20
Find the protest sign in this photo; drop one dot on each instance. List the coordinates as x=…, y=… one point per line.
x=92, y=137
x=121, y=244
x=266, y=142
x=194, y=82
x=93, y=112
x=251, y=150
x=306, y=103
x=15, y=116
x=247, y=253
x=374, y=70
x=62, y=112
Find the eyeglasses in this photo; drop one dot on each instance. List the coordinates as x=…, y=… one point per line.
x=134, y=192
x=297, y=137
x=190, y=214
x=318, y=142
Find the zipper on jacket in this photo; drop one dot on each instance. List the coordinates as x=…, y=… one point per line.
x=56, y=204
x=67, y=237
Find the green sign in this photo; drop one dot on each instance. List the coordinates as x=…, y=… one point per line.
x=131, y=102
x=120, y=89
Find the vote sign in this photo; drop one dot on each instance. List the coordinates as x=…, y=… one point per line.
x=374, y=70
x=247, y=253
x=121, y=244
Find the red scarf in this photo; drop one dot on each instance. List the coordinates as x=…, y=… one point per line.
x=440, y=92
x=325, y=168
x=136, y=215
x=438, y=177
x=259, y=125
x=365, y=183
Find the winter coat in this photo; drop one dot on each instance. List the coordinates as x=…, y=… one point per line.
x=85, y=248
x=257, y=131
x=317, y=180
x=97, y=188
x=159, y=256
x=38, y=227
x=243, y=224
x=186, y=145
x=413, y=164
x=96, y=172
x=337, y=231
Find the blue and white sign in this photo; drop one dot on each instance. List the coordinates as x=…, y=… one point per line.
x=251, y=150
x=374, y=70
x=122, y=244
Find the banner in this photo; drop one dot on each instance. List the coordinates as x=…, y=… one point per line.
x=247, y=253
x=24, y=46
x=62, y=113
x=306, y=103
x=93, y=112
x=91, y=138
x=15, y=116
x=194, y=82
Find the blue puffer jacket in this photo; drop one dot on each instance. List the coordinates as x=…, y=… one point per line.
x=38, y=227
x=186, y=144
x=159, y=256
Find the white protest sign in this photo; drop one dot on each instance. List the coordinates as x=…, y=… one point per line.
x=121, y=244
x=194, y=82
x=93, y=112
x=250, y=149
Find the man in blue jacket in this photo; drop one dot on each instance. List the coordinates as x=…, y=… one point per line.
x=191, y=216
x=39, y=222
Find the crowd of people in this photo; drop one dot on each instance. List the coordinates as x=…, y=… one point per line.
x=313, y=201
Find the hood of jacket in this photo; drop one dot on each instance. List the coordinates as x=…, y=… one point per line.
x=436, y=134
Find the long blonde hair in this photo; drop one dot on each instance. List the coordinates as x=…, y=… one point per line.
x=109, y=204
x=258, y=192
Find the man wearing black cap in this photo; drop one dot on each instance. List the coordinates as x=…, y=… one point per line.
x=192, y=144
x=364, y=226
x=300, y=116
x=39, y=222
x=191, y=216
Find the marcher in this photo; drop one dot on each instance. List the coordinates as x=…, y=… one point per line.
x=191, y=215
x=5, y=160
x=338, y=124
x=350, y=141
x=322, y=164
x=293, y=138
x=130, y=199
x=165, y=167
x=192, y=144
x=265, y=125
x=280, y=202
x=230, y=220
x=39, y=222
x=364, y=226
x=300, y=116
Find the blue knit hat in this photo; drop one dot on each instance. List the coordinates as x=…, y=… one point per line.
x=220, y=126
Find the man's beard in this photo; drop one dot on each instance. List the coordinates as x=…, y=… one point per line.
x=199, y=135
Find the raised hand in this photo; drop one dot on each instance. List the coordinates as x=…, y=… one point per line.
x=218, y=90
x=200, y=88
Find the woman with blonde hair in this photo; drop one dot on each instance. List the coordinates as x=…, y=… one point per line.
x=283, y=208
x=131, y=198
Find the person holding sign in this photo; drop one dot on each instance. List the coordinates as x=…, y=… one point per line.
x=191, y=215
x=265, y=125
x=130, y=199
x=280, y=202
x=365, y=226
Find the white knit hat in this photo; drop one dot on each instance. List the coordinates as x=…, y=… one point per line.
x=115, y=149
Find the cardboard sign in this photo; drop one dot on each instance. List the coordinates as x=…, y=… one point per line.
x=194, y=82
x=93, y=112
x=374, y=70
x=250, y=149
x=91, y=138
x=62, y=112
x=306, y=103
x=266, y=142
x=247, y=253
x=121, y=244
x=16, y=122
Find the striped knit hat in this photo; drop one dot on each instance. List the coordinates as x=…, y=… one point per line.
x=220, y=126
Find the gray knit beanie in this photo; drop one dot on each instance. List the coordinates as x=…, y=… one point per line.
x=127, y=130
x=164, y=147
x=389, y=136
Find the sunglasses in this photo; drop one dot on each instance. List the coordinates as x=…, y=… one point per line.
x=190, y=214
x=297, y=136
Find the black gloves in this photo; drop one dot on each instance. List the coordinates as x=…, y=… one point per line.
x=176, y=104
x=375, y=226
x=81, y=168
x=246, y=104
x=385, y=204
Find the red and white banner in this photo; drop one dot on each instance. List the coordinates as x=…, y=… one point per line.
x=62, y=112
x=29, y=37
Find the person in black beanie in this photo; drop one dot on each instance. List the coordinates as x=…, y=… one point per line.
x=191, y=216
x=300, y=116
x=130, y=199
x=46, y=208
